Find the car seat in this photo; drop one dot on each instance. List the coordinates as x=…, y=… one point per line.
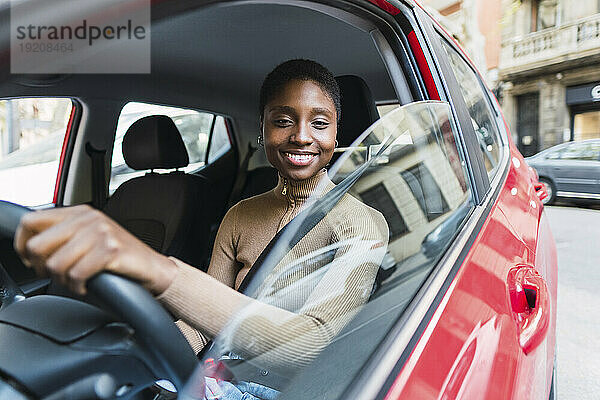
x=164, y=210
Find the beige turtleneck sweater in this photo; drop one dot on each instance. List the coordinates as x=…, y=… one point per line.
x=310, y=295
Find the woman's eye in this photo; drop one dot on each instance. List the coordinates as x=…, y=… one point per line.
x=320, y=124
x=282, y=122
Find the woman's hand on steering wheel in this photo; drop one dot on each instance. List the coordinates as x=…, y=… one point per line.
x=72, y=244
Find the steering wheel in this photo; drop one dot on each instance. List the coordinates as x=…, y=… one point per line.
x=126, y=299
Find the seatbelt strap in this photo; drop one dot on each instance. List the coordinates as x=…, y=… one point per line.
x=98, y=181
x=240, y=181
x=299, y=227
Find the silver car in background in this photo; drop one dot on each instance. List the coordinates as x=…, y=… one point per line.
x=569, y=169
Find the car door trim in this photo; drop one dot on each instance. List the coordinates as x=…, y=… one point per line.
x=66, y=153
x=577, y=194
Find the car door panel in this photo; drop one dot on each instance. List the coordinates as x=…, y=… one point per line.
x=473, y=344
x=476, y=327
x=577, y=176
x=522, y=207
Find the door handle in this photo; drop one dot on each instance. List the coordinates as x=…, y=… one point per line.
x=540, y=190
x=530, y=303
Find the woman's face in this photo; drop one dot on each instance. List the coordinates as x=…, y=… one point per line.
x=299, y=128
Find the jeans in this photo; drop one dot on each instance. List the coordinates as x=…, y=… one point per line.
x=223, y=390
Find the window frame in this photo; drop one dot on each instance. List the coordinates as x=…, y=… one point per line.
x=449, y=90
x=67, y=152
x=494, y=112
x=68, y=143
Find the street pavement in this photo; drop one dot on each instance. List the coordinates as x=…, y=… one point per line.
x=577, y=235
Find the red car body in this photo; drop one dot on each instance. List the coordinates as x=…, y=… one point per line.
x=480, y=342
x=483, y=340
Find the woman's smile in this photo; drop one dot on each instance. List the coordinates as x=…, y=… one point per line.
x=299, y=159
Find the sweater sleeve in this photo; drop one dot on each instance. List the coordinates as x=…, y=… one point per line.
x=278, y=338
x=194, y=337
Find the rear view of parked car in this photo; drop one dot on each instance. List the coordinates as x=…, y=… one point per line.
x=569, y=170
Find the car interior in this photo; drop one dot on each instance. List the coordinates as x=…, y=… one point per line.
x=213, y=58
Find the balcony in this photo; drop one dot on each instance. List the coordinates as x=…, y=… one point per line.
x=551, y=48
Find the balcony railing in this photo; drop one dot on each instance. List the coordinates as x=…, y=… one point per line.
x=566, y=42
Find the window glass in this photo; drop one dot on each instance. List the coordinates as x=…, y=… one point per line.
x=32, y=131
x=379, y=198
x=349, y=264
x=555, y=154
x=586, y=125
x=195, y=128
x=581, y=151
x=426, y=191
x=543, y=14
x=386, y=108
x=482, y=117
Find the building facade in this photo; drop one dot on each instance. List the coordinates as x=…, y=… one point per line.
x=476, y=25
x=549, y=71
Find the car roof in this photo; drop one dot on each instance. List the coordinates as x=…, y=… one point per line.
x=214, y=58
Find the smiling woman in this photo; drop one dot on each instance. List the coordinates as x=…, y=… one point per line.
x=383, y=277
x=300, y=111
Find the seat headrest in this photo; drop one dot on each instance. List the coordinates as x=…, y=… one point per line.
x=358, y=108
x=154, y=142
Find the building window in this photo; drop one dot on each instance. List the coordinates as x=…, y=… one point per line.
x=543, y=14
x=586, y=125
x=426, y=191
x=379, y=198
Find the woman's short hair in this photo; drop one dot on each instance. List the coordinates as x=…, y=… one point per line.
x=303, y=70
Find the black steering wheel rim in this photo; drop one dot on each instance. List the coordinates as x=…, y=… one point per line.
x=129, y=301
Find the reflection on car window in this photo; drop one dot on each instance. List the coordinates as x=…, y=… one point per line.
x=195, y=128
x=589, y=151
x=426, y=191
x=380, y=199
x=555, y=154
x=349, y=264
x=482, y=116
x=33, y=131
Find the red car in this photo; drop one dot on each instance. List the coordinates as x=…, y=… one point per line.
x=464, y=303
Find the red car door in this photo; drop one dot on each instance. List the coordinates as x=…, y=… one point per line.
x=490, y=331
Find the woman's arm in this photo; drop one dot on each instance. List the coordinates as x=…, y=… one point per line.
x=270, y=335
x=72, y=244
x=75, y=243
x=223, y=267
